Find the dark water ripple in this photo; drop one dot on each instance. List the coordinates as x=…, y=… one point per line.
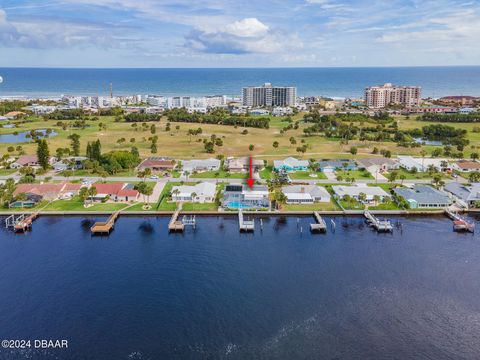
x=213, y=293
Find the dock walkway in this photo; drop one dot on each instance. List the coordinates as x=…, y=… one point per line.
x=21, y=222
x=377, y=224
x=102, y=227
x=459, y=223
x=319, y=225
x=175, y=224
x=245, y=225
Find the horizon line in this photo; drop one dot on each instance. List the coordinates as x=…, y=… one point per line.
x=235, y=68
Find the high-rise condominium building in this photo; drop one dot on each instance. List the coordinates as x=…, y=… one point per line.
x=381, y=96
x=268, y=95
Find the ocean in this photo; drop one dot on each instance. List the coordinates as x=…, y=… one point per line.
x=214, y=293
x=333, y=82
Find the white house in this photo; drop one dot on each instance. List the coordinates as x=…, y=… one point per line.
x=354, y=191
x=204, y=193
x=422, y=164
x=305, y=194
x=200, y=165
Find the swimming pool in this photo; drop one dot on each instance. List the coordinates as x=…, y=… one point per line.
x=237, y=205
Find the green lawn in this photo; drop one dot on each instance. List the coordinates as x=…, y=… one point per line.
x=330, y=206
x=417, y=175
x=5, y=172
x=351, y=204
x=267, y=173
x=305, y=175
x=356, y=174
x=76, y=204
x=386, y=205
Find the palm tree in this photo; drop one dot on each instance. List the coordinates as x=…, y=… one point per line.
x=175, y=192
x=92, y=191
x=423, y=153
x=193, y=195
x=402, y=178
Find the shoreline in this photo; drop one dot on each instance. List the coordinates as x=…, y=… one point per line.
x=235, y=213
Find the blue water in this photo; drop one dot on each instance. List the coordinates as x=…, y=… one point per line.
x=23, y=136
x=337, y=82
x=237, y=205
x=217, y=294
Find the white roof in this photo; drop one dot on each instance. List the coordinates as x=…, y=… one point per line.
x=342, y=190
x=297, y=191
x=291, y=161
x=201, y=189
x=200, y=163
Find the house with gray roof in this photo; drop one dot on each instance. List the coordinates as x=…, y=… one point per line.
x=423, y=197
x=200, y=165
x=290, y=164
x=467, y=195
x=305, y=194
x=380, y=164
x=334, y=165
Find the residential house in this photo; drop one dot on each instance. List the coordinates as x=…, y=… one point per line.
x=69, y=163
x=466, y=195
x=46, y=191
x=204, y=193
x=422, y=164
x=354, y=191
x=423, y=197
x=25, y=160
x=200, y=165
x=305, y=194
x=245, y=197
x=14, y=115
x=290, y=164
x=378, y=164
x=157, y=163
x=334, y=165
x=242, y=164
x=116, y=191
x=467, y=166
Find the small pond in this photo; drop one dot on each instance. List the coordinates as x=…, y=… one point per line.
x=23, y=136
x=428, y=142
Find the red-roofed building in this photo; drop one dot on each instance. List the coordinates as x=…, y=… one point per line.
x=46, y=191
x=156, y=163
x=115, y=191
x=25, y=160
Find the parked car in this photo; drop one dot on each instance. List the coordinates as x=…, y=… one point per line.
x=154, y=177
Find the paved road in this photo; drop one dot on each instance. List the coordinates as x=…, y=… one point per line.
x=157, y=190
x=231, y=181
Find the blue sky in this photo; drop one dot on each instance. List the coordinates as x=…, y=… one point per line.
x=235, y=33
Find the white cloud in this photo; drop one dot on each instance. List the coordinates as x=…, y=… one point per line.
x=245, y=36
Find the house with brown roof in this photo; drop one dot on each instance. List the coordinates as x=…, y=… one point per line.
x=242, y=164
x=157, y=163
x=45, y=191
x=116, y=192
x=14, y=114
x=25, y=160
x=467, y=165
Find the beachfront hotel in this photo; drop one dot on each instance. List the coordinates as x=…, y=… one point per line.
x=378, y=97
x=269, y=95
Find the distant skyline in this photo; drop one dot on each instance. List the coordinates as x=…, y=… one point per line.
x=215, y=33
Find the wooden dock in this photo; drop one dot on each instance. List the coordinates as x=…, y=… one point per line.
x=459, y=223
x=106, y=227
x=377, y=224
x=319, y=225
x=175, y=224
x=21, y=222
x=245, y=225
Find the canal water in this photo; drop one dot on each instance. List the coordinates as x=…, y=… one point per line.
x=214, y=293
